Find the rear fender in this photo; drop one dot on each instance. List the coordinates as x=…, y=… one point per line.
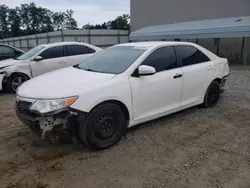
x=223, y=67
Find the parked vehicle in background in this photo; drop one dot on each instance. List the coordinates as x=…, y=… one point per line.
x=42, y=59
x=120, y=87
x=7, y=52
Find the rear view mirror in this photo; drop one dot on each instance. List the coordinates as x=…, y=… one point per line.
x=38, y=58
x=145, y=70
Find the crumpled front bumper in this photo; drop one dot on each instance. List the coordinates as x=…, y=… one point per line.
x=41, y=125
x=29, y=121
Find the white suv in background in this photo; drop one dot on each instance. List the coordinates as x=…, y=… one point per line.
x=42, y=59
x=120, y=87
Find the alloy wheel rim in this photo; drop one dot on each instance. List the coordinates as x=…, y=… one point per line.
x=16, y=83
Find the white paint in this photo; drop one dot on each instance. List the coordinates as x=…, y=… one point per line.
x=56, y=86
x=156, y=93
x=146, y=97
x=8, y=62
x=146, y=70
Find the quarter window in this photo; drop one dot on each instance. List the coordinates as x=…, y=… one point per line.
x=72, y=50
x=162, y=59
x=190, y=55
x=54, y=52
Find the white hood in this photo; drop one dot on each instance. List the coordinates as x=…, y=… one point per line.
x=9, y=62
x=62, y=83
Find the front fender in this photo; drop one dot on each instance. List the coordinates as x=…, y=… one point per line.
x=23, y=68
x=1, y=81
x=120, y=92
x=86, y=106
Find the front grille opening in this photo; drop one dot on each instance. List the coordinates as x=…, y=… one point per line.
x=24, y=104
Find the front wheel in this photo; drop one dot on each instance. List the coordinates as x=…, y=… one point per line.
x=14, y=81
x=212, y=95
x=103, y=127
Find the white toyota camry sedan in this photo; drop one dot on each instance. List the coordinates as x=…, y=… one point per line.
x=120, y=87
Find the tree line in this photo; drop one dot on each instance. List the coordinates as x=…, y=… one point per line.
x=28, y=19
x=121, y=22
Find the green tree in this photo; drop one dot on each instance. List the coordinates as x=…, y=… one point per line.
x=35, y=17
x=25, y=15
x=4, y=10
x=121, y=22
x=58, y=19
x=70, y=22
x=14, y=20
x=46, y=24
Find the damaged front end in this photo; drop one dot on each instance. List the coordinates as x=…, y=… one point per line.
x=63, y=119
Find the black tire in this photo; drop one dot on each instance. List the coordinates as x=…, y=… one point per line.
x=9, y=87
x=103, y=127
x=212, y=95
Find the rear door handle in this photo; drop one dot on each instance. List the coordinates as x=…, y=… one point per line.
x=62, y=62
x=177, y=76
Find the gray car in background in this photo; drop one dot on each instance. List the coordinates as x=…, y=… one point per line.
x=7, y=52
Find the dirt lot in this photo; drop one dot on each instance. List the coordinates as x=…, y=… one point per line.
x=194, y=148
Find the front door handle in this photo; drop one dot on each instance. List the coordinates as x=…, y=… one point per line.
x=62, y=62
x=177, y=76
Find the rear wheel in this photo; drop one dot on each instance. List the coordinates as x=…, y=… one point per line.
x=14, y=81
x=212, y=95
x=103, y=127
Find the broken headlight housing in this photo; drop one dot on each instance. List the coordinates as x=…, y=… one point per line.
x=46, y=106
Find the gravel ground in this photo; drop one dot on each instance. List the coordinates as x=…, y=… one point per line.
x=193, y=148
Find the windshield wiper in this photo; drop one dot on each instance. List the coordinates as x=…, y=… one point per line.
x=91, y=70
x=77, y=66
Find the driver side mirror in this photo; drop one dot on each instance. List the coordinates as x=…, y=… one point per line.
x=145, y=70
x=18, y=52
x=38, y=58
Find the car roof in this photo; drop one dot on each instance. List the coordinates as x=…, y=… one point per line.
x=63, y=43
x=155, y=43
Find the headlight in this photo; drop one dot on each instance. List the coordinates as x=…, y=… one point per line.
x=45, y=106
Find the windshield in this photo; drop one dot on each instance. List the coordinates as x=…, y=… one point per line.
x=113, y=60
x=30, y=53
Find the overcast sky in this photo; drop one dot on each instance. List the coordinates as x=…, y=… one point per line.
x=92, y=11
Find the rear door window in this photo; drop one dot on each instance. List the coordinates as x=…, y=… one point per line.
x=72, y=50
x=190, y=55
